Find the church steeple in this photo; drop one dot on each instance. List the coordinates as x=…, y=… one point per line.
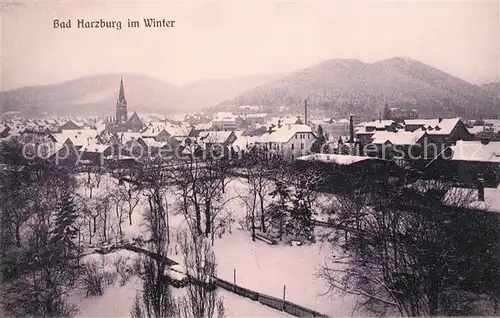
x=121, y=95
x=121, y=105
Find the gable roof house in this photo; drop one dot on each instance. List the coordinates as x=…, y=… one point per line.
x=217, y=141
x=411, y=146
x=94, y=154
x=290, y=140
x=78, y=138
x=70, y=125
x=444, y=131
x=224, y=121
x=225, y=138
x=156, y=133
x=64, y=153
x=160, y=149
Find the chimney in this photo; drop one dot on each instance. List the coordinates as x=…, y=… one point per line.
x=351, y=129
x=480, y=188
x=305, y=112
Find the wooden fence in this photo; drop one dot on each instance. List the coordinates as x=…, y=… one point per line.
x=273, y=302
x=269, y=301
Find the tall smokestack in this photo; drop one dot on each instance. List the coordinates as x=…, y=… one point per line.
x=351, y=129
x=305, y=111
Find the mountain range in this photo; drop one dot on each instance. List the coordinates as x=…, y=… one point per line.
x=346, y=86
x=96, y=95
x=337, y=86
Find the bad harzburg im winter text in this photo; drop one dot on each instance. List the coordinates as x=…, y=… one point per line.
x=113, y=24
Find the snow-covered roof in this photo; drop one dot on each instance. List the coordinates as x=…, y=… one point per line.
x=215, y=136
x=173, y=129
x=335, y=159
x=421, y=122
x=285, y=133
x=435, y=126
x=181, y=129
x=397, y=138
x=475, y=129
x=78, y=137
x=241, y=141
x=362, y=130
x=127, y=136
x=95, y=148
x=469, y=198
x=256, y=115
x=282, y=120
x=476, y=151
x=203, y=126
x=376, y=123
x=153, y=143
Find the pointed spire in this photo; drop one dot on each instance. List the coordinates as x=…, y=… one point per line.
x=121, y=95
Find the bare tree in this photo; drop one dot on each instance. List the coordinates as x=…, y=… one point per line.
x=156, y=181
x=200, y=189
x=199, y=261
x=130, y=194
x=93, y=179
x=250, y=200
x=415, y=250
x=259, y=179
x=156, y=299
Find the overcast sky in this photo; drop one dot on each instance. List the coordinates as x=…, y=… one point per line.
x=213, y=40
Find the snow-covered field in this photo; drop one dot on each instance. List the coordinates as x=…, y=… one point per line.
x=266, y=268
x=259, y=266
x=118, y=302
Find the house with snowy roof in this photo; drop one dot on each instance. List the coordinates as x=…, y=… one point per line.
x=156, y=133
x=224, y=121
x=445, y=131
x=94, y=153
x=78, y=138
x=64, y=153
x=289, y=140
x=416, y=145
x=217, y=140
x=70, y=125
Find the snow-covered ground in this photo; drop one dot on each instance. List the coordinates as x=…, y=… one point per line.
x=118, y=301
x=259, y=266
x=267, y=268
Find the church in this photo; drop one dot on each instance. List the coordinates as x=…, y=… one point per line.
x=121, y=123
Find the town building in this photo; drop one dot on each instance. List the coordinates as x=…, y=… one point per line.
x=288, y=141
x=121, y=122
x=444, y=131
